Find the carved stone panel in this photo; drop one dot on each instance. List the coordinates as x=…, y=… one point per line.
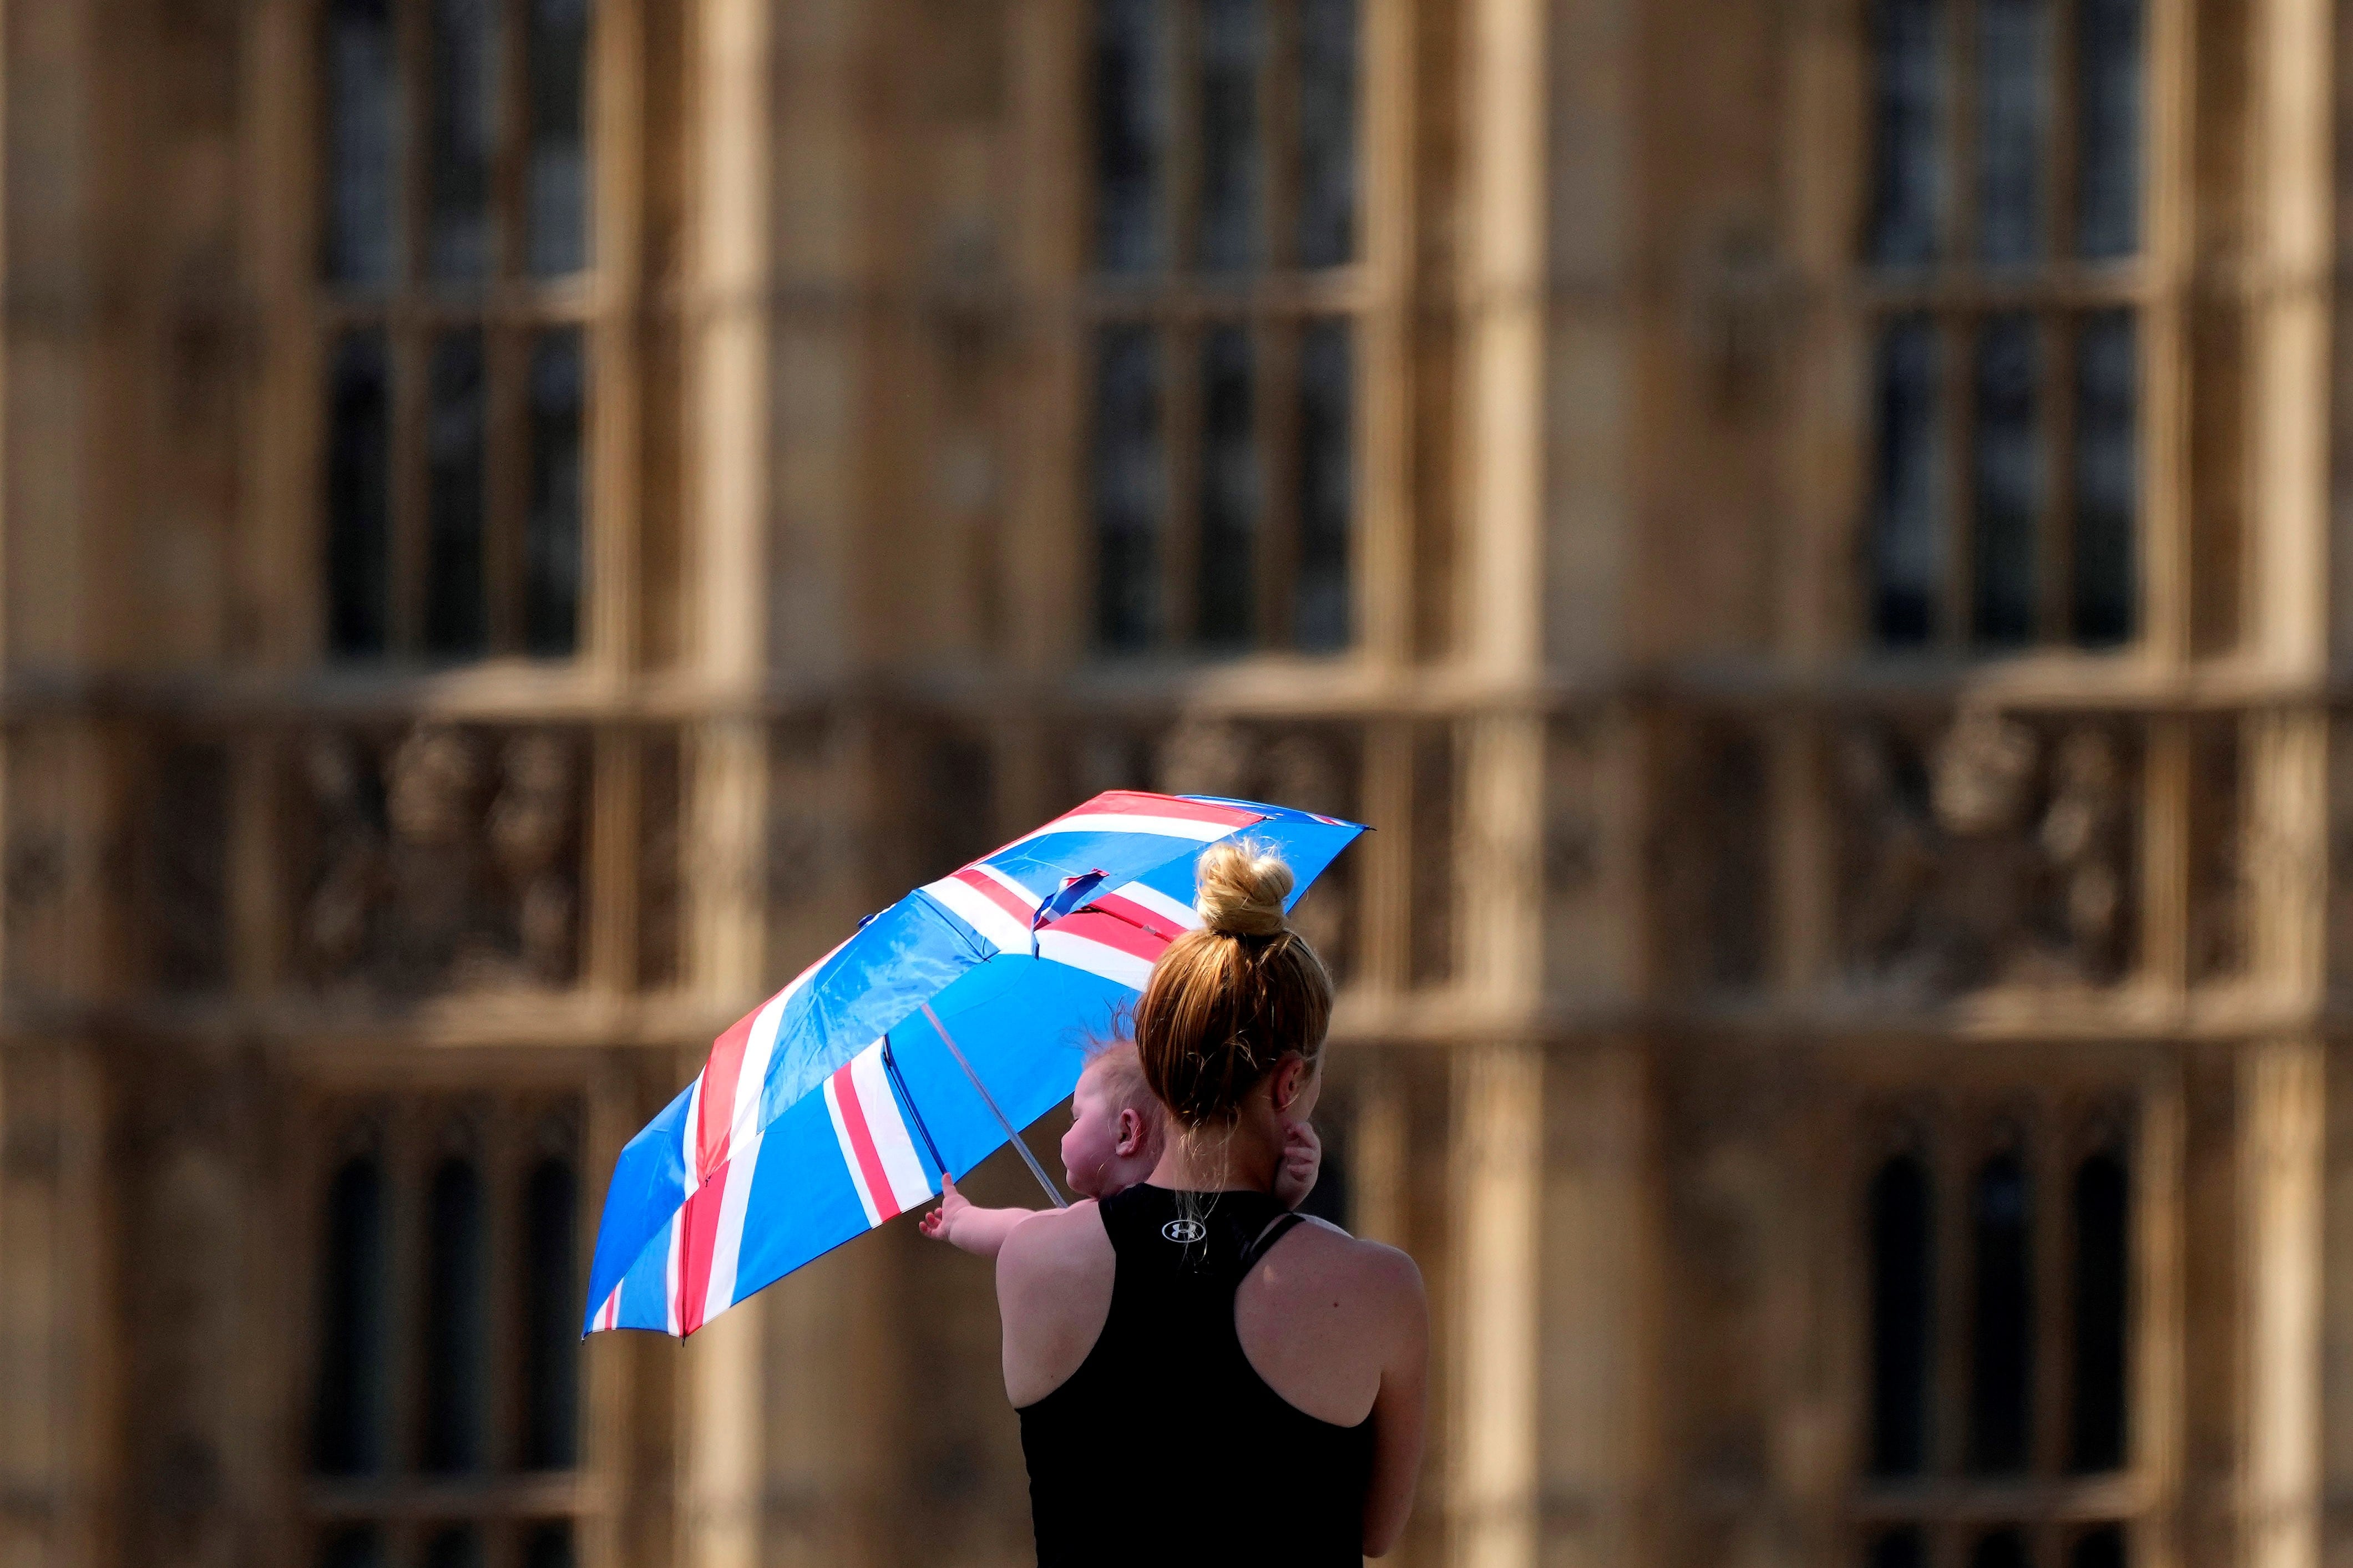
x=1710, y=853
x=1985, y=848
x=440, y=856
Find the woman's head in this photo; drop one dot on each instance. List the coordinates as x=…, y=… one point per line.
x=1229, y=1003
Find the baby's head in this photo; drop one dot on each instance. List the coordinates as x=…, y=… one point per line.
x=1116, y=1124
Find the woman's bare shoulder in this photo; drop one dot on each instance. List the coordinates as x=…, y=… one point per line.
x=1373, y=1268
x=1053, y=1244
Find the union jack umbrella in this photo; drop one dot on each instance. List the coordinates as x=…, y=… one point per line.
x=915, y=1048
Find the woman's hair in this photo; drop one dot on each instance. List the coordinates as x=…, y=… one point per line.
x=1226, y=1002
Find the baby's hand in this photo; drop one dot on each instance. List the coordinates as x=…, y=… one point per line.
x=940, y=1222
x=1303, y=1160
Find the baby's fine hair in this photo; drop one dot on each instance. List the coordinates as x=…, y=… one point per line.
x=1116, y=1066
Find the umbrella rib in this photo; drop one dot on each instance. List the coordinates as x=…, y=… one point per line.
x=989, y=1099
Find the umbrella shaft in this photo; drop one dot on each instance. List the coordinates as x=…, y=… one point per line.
x=1019, y=1147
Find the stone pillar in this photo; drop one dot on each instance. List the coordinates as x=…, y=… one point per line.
x=1498, y=1171
x=1597, y=1439
x=2281, y=1105
x=56, y=1385
x=729, y=357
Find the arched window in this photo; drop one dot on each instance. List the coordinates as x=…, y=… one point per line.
x=2001, y=1318
x=2004, y=506
x=348, y=1429
x=1902, y=1263
x=1225, y=180
x=456, y=226
x=1998, y=1334
x=454, y=1323
x=449, y=1261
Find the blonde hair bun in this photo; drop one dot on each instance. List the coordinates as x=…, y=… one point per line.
x=1240, y=889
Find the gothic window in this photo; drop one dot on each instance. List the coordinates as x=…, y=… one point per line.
x=2005, y=187
x=455, y=296
x=445, y=1390
x=1997, y=1246
x=1223, y=303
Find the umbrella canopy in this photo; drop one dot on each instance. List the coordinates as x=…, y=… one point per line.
x=912, y=1049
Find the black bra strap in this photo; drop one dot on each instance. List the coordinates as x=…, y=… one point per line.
x=1276, y=1229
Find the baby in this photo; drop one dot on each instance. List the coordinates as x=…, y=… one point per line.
x=1116, y=1131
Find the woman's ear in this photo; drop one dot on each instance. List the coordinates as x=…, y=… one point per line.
x=1288, y=1074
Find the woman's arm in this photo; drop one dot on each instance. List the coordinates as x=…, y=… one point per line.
x=1401, y=1413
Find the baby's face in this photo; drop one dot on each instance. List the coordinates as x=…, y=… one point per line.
x=1091, y=1148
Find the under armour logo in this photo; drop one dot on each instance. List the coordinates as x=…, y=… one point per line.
x=1185, y=1232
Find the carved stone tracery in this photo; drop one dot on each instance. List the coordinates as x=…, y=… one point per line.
x=443, y=858
x=1998, y=851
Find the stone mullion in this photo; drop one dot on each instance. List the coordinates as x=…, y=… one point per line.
x=1382, y=561
x=1046, y=562
x=2282, y=1091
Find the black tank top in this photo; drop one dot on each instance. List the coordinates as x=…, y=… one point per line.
x=1166, y=1446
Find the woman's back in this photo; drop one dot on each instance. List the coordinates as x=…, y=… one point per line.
x=1150, y=1350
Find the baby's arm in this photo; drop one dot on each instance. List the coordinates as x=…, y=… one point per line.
x=1302, y=1162
x=978, y=1231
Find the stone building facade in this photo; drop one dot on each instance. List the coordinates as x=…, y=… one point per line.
x=1813, y=529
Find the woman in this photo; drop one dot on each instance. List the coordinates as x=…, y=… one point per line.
x=1202, y=1377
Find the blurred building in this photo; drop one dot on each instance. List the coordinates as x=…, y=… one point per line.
x=1811, y=529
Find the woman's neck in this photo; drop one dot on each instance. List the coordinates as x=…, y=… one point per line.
x=1218, y=1160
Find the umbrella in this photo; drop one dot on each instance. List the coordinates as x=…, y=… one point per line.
x=914, y=1048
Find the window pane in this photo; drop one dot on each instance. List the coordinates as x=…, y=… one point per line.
x=548, y=1546
x=465, y=120
x=557, y=210
x=453, y=1313
x=1130, y=487
x=2006, y=468
x=359, y=495
x=1903, y=1279
x=2000, y=1549
x=552, y=533
x=1907, y=550
x=2013, y=126
x=2107, y=477
x=2108, y=127
x=457, y=1547
x=1231, y=487
x=347, y=1435
x=1326, y=487
x=454, y=618
x=2101, y=1548
x=353, y=1546
x=1907, y=197
x=1130, y=129
x=1327, y=132
x=1897, y=1548
x=2103, y=1251
x=2001, y=1337
x=551, y=1376
x=1233, y=166
x=363, y=137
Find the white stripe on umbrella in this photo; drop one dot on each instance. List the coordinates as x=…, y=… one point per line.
x=902, y=1166
x=996, y=924
x=718, y=1291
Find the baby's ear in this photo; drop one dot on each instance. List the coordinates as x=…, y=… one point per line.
x=1130, y=1132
